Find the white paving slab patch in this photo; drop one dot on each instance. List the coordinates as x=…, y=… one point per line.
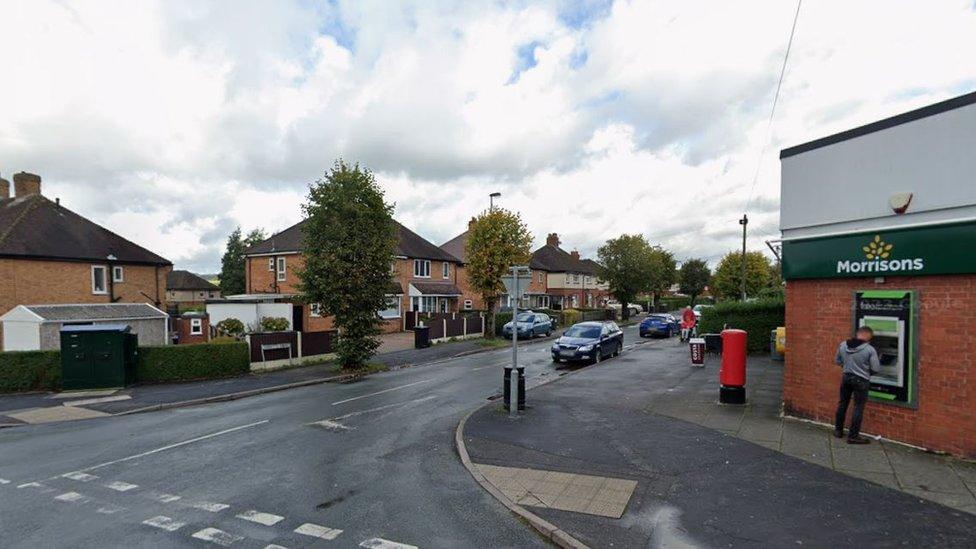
x=266, y=519
x=208, y=506
x=84, y=394
x=317, y=531
x=380, y=543
x=214, y=535
x=87, y=401
x=164, y=523
x=72, y=497
x=109, y=509
x=79, y=476
x=55, y=413
x=163, y=498
x=120, y=486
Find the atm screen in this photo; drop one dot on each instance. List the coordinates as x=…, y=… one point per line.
x=890, y=314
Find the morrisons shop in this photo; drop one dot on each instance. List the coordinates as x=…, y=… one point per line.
x=879, y=228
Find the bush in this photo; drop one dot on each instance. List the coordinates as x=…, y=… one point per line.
x=231, y=327
x=186, y=362
x=758, y=318
x=30, y=371
x=673, y=303
x=502, y=319
x=274, y=324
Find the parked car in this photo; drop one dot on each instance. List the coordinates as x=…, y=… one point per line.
x=589, y=341
x=632, y=308
x=530, y=325
x=697, y=309
x=659, y=324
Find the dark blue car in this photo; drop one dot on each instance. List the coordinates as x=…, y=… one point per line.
x=589, y=341
x=663, y=325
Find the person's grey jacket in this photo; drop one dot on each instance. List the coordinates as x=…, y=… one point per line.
x=858, y=358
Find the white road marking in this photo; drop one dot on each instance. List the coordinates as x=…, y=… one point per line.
x=213, y=535
x=163, y=498
x=72, y=497
x=176, y=445
x=383, y=391
x=164, y=523
x=208, y=506
x=120, y=486
x=4, y=481
x=41, y=487
x=88, y=401
x=316, y=531
x=266, y=519
x=109, y=509
x=79, y=476
x=380, y=543
x=273, y=546
x=333, y=423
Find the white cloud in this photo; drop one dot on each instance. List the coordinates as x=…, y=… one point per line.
x=172, y=122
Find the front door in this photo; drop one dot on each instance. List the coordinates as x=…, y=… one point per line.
x=298, y=318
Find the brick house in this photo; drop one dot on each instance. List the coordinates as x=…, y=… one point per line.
x=51, y=255
x=425, y=278
x=186, y=289
x=564, y=280
x=457, y=247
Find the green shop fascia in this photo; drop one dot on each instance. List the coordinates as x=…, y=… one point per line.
x=892, y=313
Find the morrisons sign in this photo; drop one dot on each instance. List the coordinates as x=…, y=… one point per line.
x=944, y=249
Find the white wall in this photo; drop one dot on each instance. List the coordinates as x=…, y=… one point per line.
x=844, y=187
x=248, y=313
x=21, y=336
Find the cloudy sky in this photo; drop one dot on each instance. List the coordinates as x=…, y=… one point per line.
x=172, y=122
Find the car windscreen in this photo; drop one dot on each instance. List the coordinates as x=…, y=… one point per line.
x=526, y=317
x=592, y=332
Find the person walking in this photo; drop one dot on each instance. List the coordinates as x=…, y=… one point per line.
x=860, y=361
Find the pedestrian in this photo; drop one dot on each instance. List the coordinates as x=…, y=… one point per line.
x=860, y=362
x=688, y=321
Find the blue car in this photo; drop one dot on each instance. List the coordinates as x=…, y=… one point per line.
x=588, y=341
x=663, y=325
x=529, y=325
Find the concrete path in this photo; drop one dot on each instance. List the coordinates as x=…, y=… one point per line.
x=696, y=486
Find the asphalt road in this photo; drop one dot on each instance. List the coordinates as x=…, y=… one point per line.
x=373, y=459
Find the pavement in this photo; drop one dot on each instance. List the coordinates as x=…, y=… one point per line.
x=635, y=452
x=367, y=463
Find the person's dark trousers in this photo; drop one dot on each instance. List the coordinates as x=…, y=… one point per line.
x=856, y=387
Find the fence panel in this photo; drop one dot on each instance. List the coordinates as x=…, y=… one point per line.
x=476, y=324
x=317, y=343
x=273, y=338
x=436, y=329
x=455, y=327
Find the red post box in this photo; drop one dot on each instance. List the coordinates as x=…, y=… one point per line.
x=732, y=375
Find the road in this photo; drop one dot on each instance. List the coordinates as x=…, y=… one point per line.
x=370, y=463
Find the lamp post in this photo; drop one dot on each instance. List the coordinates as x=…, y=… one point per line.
x=742, y=281
x=491, y=200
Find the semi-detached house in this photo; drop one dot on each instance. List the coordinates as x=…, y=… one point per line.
x=425, y=278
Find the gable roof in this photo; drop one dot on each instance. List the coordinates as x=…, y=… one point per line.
x=89, y=312
x=34, y=227
x=409, y=244
x=457, y=246
x=557, y=260
x=185, y=280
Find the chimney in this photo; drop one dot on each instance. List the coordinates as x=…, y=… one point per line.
x=471, y=223
x=552, y=239
x=4, y=188
x=575, y=255
x=26, y=184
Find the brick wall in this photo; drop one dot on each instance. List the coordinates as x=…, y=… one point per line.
x=819, y=317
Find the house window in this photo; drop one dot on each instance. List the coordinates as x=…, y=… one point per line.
x=118, y=274
x=446, y=270
x=540, y=278
x=423, y=304
x=281, y=269
x=443, y=304
x=392, y=309
x=421, y=268
x=468, y=305
x=575, y=278
x=98, y=279
x=196, y=326
x=315, y=309
x=271, y=264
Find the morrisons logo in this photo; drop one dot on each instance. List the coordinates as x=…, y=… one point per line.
x=877, y=254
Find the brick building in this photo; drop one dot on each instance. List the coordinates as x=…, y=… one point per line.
x=186, y=289
x=425, y=278
x=51, y=255
x=878, y=228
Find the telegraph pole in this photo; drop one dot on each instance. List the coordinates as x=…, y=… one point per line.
x=742, y=282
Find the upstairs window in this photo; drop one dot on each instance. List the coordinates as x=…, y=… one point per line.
x=446, y=270
x=271, y=264
x=98, y=279
x=421, y=268
x=281, y=269
x=118, y=274
x=315, y=309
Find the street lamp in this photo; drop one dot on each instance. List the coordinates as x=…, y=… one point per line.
x=491, y=200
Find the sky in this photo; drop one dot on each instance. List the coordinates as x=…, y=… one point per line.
x=171, y=122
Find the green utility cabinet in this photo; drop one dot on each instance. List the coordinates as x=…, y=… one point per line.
x=97, y=356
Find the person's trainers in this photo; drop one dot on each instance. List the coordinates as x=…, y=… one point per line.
x=858, y=440
x=838, y=433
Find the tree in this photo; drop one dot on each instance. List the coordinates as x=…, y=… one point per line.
x=350, y=241
x=694, y=277
x=497, y=240
x=629, y=266
x=232, y=279
x=664, y=272
x=728, y=275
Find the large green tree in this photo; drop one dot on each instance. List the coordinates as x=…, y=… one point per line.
x=664, y=272
x=497, y=240
x=728, y=275
x=629, y=266
x=350, y=241
x=693, y=278
x=232, y=280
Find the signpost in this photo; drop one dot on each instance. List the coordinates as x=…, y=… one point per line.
x=513, y=377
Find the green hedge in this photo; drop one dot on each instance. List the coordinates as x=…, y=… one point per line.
x=758, y=318
x=185, y=362
x=30, y=371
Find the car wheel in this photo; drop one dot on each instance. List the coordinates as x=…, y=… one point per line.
x=597, y=356
x=616, y=350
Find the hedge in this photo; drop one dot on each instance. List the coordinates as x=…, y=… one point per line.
x=185, y=362
x=758, y=318
x=30, y=371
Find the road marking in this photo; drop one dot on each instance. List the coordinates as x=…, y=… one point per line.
x=72, y=497
x=213, y=535
x=333, y=423
x=330, y=425
x=176, y=445
x=266, y=519
x=109, y=509
x=164, y=523
x=79, y=476
x=383, y=391
x=120, y=486
x=4, y=481
x=43, y=488
x=88, y=401
x=273, y=546
x=380, y=543
x=316, y=531
x=163, y=498
x=208, y=506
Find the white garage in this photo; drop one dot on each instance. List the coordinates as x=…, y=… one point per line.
x=38, y=327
